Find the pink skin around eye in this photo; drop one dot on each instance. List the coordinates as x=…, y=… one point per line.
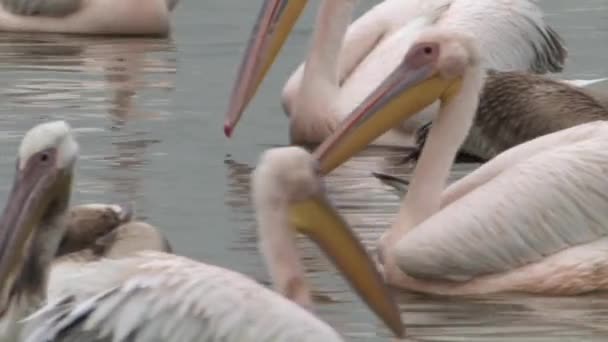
x=422, y=54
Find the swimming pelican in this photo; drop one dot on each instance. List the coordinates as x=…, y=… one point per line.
x=528, y=106
x=163, y=297
x=533, y=219
x=33, y=221
x=115, y=17
x=346, y=63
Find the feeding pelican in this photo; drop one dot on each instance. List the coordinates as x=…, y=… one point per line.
x=116, y=17
x=163, y=297
x=528, y=106
x=346, y=63
x=532, y=219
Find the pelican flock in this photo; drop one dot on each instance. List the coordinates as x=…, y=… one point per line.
x=125, y=285
x=346, y=62
x=533, y=219
x=121, y=17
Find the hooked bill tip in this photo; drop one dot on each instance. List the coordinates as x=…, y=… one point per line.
x=227, y=130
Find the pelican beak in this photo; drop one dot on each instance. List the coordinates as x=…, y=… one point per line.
x=405, y=92
x=317, y=219
x=39, y=191
x=275, y=22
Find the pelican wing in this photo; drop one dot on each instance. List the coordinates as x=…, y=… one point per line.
x=162, y=297
x=555, y=200
x=42, y=8
x=512, y=34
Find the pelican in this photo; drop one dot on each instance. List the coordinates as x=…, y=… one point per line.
x=36, y=228
x=346, y=63
x=533, y=219
x=33, y=221
x=528, y=107
x=113, y=17
x=163, y=297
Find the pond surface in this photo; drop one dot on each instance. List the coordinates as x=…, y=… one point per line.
x=149, y=115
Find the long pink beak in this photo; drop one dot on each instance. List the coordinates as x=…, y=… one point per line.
x=275, y=22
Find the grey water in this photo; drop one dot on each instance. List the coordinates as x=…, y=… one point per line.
x=149, y=112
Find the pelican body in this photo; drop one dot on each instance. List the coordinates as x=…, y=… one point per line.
x=347, y=62
x=533, y=219
x=107, y=17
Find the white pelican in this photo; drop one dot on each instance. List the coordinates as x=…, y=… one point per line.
x=116, y=17
x=163, y=297
x=533, y=219
x=33, y=221
x=35, y=218
x=515, y=107
x=346, y=63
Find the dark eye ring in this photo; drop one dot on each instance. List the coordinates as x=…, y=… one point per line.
x=44, y=156
x=428, y=50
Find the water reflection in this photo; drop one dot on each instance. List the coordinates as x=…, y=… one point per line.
x=99, y=85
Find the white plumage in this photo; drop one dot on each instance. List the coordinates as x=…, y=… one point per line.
x=56, y=134
x=527, y=205
x=161, y=297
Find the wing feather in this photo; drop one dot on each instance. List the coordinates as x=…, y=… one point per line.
x=555, y=200
x=171, y=298
x=513, y=34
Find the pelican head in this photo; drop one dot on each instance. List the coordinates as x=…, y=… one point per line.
x=32, y=224
x=289, y=195
x=434, y=68
x=274, y=23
